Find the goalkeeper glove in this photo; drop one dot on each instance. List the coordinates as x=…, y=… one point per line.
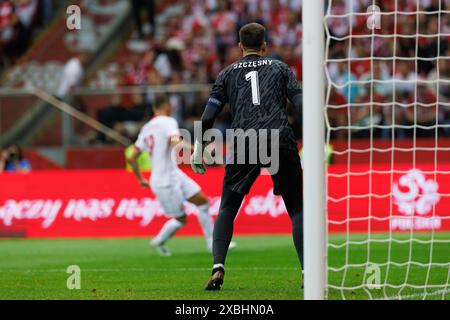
x=197, y=162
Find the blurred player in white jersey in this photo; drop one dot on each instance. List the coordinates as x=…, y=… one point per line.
x=159, y=137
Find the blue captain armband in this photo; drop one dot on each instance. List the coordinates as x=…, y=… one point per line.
x=216, y=103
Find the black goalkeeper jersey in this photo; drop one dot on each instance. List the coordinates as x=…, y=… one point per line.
x=256, y=89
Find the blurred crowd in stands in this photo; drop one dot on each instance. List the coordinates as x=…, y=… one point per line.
x=12, y=160
x=397, y=70
x=387, y=79
x=199, y=39
x=194, y=41
x=18, y=19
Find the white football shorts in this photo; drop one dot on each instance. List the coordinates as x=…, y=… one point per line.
x=173, y=196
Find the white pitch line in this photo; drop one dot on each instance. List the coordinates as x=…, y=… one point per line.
x=148, y=270
x=416, y=295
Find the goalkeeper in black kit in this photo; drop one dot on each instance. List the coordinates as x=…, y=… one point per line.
x=257, y=89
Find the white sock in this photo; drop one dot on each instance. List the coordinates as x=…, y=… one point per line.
x=219, y=265
x=206, y=222
x=167, y=231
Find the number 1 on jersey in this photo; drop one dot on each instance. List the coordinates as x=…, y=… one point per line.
x=254, y=78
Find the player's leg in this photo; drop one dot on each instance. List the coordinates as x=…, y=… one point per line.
x=167, y=232
x=293, y=203
x=193, y=194
x=172, y=202
x=223, y=233
x=288, y=182
x=237, y=182
x=223, y=228
x=204, y=217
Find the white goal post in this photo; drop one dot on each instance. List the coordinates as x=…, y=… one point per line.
x=376, y=82
x=314, y=193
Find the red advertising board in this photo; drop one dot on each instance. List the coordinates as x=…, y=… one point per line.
x=110, y=203
x=383, y=198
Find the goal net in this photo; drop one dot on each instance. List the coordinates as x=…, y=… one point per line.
x=387, y=114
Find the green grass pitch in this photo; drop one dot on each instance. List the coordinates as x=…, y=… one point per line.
x=263, y=267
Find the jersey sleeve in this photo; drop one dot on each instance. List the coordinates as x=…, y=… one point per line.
x=140, y=142
x=293, y=86
x=218, y=97
x=172, y=128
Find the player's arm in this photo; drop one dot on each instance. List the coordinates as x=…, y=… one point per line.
x=177, y=142
x=132, y=160
x=294, y=90
x=214, y=106
x=139, y=147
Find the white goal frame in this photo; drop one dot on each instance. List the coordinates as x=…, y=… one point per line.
x=314, y=192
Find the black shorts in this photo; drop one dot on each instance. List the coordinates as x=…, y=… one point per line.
x=289, y=178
